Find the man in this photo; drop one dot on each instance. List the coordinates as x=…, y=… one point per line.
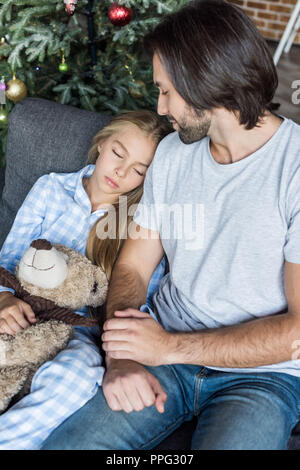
x=221, y=339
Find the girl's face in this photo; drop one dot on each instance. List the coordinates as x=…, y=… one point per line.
x=122, y=163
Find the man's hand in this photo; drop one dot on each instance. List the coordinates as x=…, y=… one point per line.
x=136, y=336
x=15, y=314
x=128, y=386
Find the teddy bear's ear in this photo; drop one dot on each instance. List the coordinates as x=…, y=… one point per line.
x=99, y=288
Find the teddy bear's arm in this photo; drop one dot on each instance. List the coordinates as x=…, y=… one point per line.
x=46, y=309
x=9, y=280
x=68, y=317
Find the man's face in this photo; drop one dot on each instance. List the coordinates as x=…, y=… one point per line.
x=190, y=126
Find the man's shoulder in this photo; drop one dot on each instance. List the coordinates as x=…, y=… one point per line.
x=292, y=129
x=290, y=143
x=296, y=125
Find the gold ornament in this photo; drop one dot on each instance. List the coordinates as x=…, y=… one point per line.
x=16, y=90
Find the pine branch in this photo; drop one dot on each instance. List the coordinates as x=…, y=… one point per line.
x=5, y=11
x=14, y=59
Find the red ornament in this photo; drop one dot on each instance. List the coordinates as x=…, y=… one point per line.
x=70, y=6
x=119, y=15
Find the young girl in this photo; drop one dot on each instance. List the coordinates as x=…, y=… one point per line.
x=66, y=208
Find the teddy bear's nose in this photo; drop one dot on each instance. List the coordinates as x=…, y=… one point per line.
x=95, y=287
x=41, y=244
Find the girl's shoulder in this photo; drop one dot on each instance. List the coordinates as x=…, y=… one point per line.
x=51, y=184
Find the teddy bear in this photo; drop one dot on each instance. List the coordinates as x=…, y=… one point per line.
x=55, y=281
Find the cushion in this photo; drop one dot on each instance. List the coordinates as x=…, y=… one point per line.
x=43, y=136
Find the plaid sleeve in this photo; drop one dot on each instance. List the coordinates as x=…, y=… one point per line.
x=26, y=227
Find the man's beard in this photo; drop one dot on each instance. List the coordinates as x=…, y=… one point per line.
x=189, y=134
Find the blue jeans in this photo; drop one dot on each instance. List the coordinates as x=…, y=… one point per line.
x=235, y=411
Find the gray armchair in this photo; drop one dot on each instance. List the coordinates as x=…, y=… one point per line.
x=45, y=136
x=2, y=174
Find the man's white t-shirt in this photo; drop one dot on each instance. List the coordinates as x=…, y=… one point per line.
x=227, y=230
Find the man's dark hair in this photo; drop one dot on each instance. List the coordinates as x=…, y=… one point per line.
x=215, y=57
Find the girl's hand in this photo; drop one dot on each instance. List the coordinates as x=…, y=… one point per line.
x=15, y=314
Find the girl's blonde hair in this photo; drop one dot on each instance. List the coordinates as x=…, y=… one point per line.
x=104, y=252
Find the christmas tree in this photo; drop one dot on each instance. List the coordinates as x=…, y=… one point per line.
x=92, y=58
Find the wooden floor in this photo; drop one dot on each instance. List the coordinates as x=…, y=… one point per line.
x=288, y=71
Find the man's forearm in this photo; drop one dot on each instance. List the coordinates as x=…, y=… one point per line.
x=126, y=290
x=268, y=340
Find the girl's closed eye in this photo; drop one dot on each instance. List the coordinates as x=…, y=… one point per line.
x=120, y=156
x=117, y=154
